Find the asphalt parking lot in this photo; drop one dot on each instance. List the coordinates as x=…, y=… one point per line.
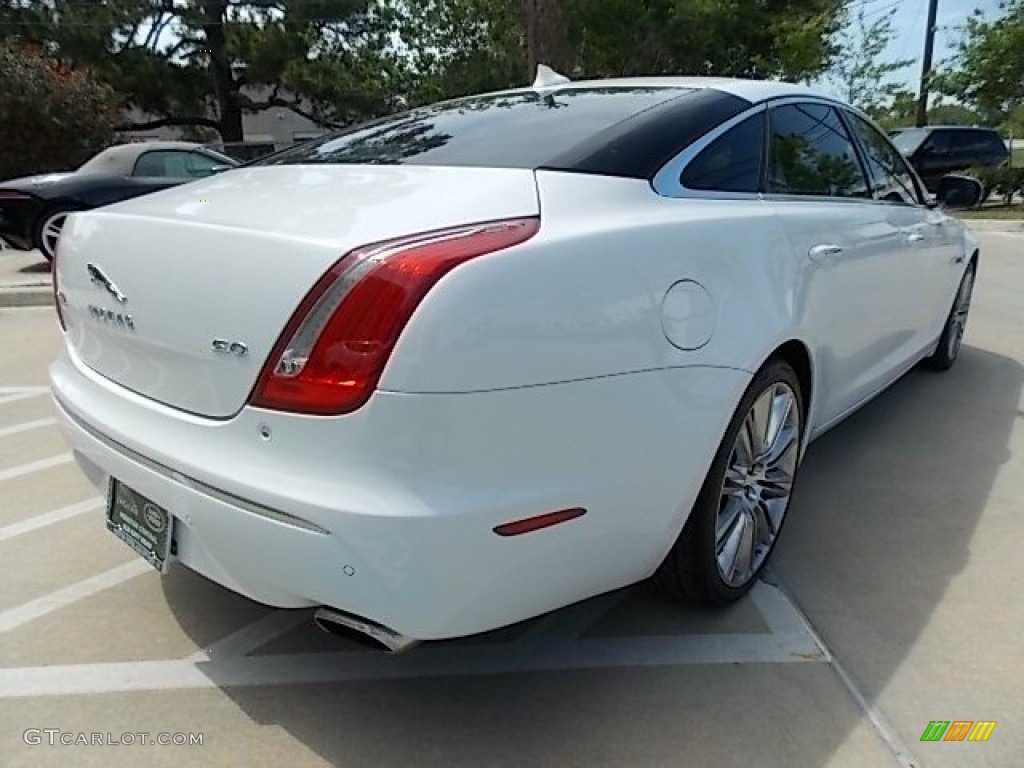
x=895, y=599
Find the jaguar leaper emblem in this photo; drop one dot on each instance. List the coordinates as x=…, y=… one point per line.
x=99, y=277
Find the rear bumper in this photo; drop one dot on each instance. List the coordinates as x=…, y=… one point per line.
x=388, y=513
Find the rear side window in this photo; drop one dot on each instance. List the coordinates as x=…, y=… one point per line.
x=989, y=142
x=939, y=143
x=732, y=162
x=163, y=164
x=812, y=154
x=524, y=129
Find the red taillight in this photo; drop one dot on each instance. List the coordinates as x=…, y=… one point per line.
x=526, y=525
x=10, y=194
x=332, y=352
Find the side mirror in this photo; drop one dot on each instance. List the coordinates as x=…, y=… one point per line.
x=220, y=169
x=959, y=192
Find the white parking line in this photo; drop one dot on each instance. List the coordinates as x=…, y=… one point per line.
x=251, y=637
x=26, y=426
x=879, y=722
x=49, y=518
x=13, y=618
x=225, y=668
x=32, y=391
x=299, y=669
x=15, y=396
x=569, y=623
x=34, y=466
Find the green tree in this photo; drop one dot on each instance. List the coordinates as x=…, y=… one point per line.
x=457, y=46
x=189, y=62
x=199, y=62
x=953, y=114
x=54, y=118
x=791, y=39
x=988, y=71
x=1014, y=124
x=860, y=72
x=899, y=112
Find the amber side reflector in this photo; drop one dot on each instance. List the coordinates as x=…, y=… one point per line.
x=528, y=524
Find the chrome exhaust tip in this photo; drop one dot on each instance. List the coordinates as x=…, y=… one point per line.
x=345, y=625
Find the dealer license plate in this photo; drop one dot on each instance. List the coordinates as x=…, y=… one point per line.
x=143, y=525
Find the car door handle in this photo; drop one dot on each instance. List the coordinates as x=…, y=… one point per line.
x=824, y=250
x=959, y=258
x=915, y=237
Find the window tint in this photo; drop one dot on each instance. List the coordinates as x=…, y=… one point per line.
x=938, y=143
x=524, y=129
x=986, y=142
x=198, y=165
x=732, y=162
x=811, y=154
x=995, y=144
x=160, y=164
x=891, y=180
x=174, y=164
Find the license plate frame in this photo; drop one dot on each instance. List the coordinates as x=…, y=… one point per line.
x=140, y=523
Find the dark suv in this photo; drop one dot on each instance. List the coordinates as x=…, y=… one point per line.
x=937, y=150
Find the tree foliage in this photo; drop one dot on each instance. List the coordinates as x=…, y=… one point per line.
x=464, y=45
x=791, y=39
x=988, y=71
x=205, y=63
x=860, y=73
x=54, y=118
x=901, y=112
x=182, y=61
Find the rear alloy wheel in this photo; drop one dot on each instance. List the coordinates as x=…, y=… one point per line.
x=953, y=332
x=742, y=505
x=51, y=224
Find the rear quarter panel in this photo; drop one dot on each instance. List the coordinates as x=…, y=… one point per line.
x=584, y=298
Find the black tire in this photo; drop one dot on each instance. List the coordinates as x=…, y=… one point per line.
x=39, y=240
x=690, y=571
x=948, y=350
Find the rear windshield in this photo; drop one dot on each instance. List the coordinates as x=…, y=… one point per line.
x=524, y=129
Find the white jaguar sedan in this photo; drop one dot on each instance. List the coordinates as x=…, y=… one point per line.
x=464, y=365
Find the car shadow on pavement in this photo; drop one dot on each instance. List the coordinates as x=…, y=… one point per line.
x=886, y=508
x=41, y=267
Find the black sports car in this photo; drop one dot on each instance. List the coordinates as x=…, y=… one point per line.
x=33, y=209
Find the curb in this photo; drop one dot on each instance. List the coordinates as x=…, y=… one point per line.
x=18, y=286
x=994, y=225
x=26, y=296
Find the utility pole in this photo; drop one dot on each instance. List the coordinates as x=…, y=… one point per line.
x=926, y=64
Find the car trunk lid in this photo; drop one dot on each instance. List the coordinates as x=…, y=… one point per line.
x=180, y=296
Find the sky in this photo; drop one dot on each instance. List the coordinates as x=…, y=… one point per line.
x=909, y=25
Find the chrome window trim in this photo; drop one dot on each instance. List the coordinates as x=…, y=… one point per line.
x=667, y=182
x=851, y=112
